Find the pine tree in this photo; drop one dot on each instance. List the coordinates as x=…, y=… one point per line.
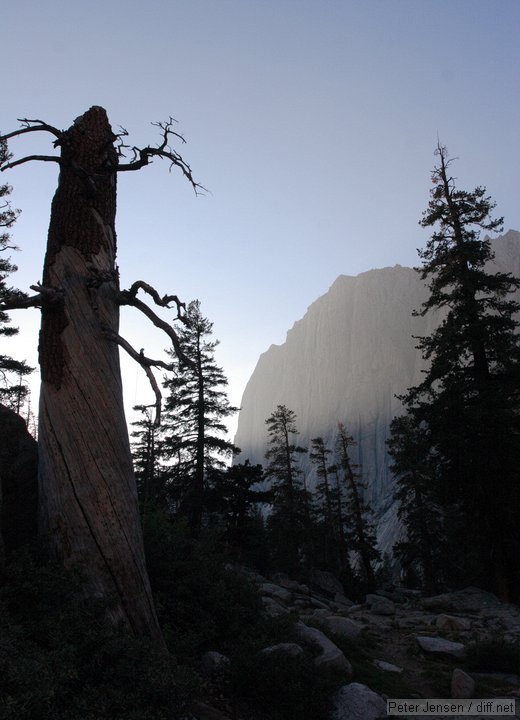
x=195, y=408
x=468, y=402
x=362, y=539
x=421, y=554
x=326, y=501
x=235, y=495
x=290, y=521
x=13, y=391
x=150, y=475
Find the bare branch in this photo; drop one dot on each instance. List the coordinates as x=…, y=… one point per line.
x=128, y=297
x=121, y=146
x=21, y=301
x=33, y=126
x=142, y=156
x=146, y=363
x=29, y=158
x=163, y=301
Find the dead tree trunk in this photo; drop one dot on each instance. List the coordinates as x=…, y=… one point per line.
x=88, y=501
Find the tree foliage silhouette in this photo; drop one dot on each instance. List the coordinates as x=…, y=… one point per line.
x=468, y=403
x=13, y=390
x=193, y=431
x=289, y=519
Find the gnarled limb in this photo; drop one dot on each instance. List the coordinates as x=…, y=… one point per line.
x=21, y=301
x=146, y=363
x=129, y=297
x=142, y=156
x=163, y=301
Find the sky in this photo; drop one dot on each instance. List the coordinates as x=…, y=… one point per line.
x=312, y=125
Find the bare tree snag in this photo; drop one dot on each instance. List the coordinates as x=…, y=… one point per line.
x=87, y=494
x=88, y=504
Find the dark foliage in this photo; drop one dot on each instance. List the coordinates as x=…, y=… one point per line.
x=193, y=432
x=12, y=389
x=464, y=418
x=60, y=660
x=290, y=521
x=494, y=655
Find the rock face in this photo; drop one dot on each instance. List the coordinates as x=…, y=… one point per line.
x=345, y=361
x=18, y=480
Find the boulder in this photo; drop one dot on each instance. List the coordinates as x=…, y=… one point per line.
x=213, y=662
x=202, y=711
x=330, y=656
x=291, y=649
x=273, y=608
x=462, y=685
x=445, y=623
x=326, y=582
x=340, y=599
x=387, y=667
x=275, y=591
x=380, y=605
x=470, y=599
x=441, y=646
x=358, y=702
x=311, y=602
x=342, y=626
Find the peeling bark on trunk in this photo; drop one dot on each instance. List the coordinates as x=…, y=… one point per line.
x=88, y=500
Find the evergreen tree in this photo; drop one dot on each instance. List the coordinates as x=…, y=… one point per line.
x=362, y=539
x=326, y=501
x=236, y=496
x=422, y=553
x=468, y=402
x=289, y=522
x=13, y=391
x=345, y=572
x=194, y=410
x=150, y=475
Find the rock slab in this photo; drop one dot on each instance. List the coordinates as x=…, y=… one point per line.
x=330, y=656
x=358, y=702
x=441, y=646
x=462, y=685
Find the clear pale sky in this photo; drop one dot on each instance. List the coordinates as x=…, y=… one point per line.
x=312, y=124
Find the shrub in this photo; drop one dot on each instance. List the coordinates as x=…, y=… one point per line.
x=202, y=604
x=494, y=655
x=59, y=659
x=283, y=687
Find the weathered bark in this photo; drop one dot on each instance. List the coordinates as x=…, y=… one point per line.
x=88, y=500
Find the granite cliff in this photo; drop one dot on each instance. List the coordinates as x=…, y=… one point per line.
x=345, y=361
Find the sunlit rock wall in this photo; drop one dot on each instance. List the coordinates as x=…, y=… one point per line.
x=345, y=361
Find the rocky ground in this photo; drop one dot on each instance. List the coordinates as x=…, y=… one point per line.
x=393, y=645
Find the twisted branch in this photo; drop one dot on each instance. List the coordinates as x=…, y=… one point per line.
x=146, y=363
x=142, y=156
x=127, y=298
x=163, y=301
